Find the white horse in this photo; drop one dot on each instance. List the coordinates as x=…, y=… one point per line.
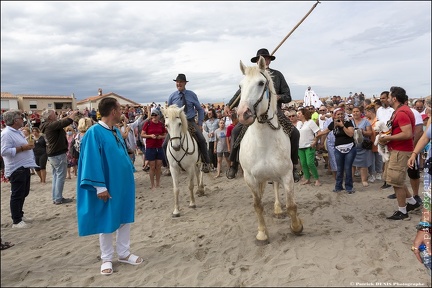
x=182, y=154
x=265, y=148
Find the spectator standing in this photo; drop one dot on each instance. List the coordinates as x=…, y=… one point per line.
x=154, y=132
x=18, y=158
x=400, y=144
x=363, y=158
x=41, y=157
x=211, y=124
x=307, y=128
x=221, y=147
x=57, y=146
x=384, y=113
x=345, y=151
x=376, y=168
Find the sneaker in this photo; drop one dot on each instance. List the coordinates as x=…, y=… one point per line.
x=371, y=179
x=63, y=201
x=392, y=196
x=21, y=224
x=337, y=191
x=357, y=173
x=413, y=207
x=231, y=172
x=350, y=191
x=205, y=168
x=398, y=215
x=385, y=186
x=378, y=176
x=418, y=199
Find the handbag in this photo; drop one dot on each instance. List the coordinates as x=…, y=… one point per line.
x=367, y=144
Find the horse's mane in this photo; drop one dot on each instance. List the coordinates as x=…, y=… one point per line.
x=173, y=111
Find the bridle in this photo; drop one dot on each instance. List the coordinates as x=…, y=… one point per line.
x=183, y=138
x=264, y=118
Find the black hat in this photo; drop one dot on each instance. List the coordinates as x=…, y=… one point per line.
x=262, y=52
x=181, y=77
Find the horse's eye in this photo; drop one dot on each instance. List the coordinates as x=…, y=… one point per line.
x=261, y=83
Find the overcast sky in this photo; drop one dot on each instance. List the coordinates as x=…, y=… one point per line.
x=136, y=49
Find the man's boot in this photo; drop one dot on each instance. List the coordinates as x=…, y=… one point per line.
x=232, y=171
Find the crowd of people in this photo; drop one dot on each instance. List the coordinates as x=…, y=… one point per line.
x=342, y=131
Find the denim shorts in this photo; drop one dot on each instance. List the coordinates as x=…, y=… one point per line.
x=152, y=154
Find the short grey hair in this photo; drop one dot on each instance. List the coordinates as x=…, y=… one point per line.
x=10, y=116
x=46, y=113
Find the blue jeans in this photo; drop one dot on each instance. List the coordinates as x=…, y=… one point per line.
x=344, y=165
x=59, y=171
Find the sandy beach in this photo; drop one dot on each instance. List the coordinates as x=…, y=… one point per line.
x=347, y=240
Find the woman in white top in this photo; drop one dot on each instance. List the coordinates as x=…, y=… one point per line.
x=307, y=128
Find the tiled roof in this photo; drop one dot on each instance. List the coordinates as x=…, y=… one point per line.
x=25, y=96
x=95, y=98
x=8, y=95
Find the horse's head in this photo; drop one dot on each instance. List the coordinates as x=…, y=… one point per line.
x=176, y=125
x=257, y=91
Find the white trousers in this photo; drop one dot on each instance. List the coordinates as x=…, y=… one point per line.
x=122, y=243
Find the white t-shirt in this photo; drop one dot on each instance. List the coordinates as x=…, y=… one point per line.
x=384, y=114
x=417, y=116
x=307, y=132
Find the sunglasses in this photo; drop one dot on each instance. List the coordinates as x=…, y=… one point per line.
x=154, y=115
x=291, y=116
x=321, y=110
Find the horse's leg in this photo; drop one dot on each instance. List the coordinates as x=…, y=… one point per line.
x=200, y=181
x=257, y=192
x=175, y=175
x=278, y=212
x=296, y=222
x=191, y=173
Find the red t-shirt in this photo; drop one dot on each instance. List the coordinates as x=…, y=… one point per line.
x=154, y=128
x=403, y=116
x=229, y=129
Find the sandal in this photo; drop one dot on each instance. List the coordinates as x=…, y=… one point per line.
x=6, y=245
x=132, y=259
x=106, y=268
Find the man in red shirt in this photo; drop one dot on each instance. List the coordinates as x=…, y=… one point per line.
x=230, y=127
x=401, y=145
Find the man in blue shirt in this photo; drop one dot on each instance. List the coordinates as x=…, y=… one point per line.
x=189, y=99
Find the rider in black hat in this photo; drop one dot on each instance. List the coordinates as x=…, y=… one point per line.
x=283, y=96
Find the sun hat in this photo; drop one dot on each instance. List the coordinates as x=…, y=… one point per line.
x=181, y=77
x=262, y=52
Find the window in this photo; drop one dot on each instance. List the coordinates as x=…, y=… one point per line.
x=33, y=104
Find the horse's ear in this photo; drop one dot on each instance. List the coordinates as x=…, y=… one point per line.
x=182, y=108
x=242, y=67
x=262, y=63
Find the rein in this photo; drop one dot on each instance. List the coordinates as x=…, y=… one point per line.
x=264, y=118
x=182, y=138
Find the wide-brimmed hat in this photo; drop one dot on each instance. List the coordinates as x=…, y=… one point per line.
x=262, y=52
x=181, y=77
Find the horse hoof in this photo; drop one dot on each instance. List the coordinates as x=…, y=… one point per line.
x=201, y=194
x=192, y=206
x=175, y=215
x=298, y=231
x=261, y=242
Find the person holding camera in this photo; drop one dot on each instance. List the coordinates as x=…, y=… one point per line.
x=345, y=151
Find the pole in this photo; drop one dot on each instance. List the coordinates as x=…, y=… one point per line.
x=280, y=44
x=295, y=27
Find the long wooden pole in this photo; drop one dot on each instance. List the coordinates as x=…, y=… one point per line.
x=295, y=27
x=286, y=37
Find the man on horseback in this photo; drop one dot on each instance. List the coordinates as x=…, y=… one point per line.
x=189, y=99
x=284, y=96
